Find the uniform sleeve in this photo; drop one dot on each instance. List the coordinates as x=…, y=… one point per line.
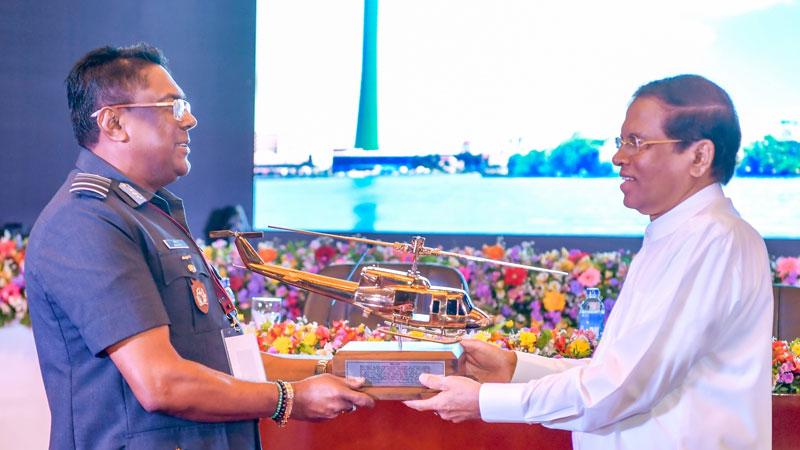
x=648, y=358
x=93, y=270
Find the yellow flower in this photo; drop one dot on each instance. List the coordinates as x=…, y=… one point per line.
x=509, y=324
x=554, y=301
x=795, y=347
x=527, y=340
x=482, y=336
x=282, y=344
x=310, y=339
x=584, y=264
x=566, y=265
x=579, y=348
x=208, y=252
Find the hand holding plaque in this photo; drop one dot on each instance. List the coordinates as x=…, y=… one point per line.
x=391, y=370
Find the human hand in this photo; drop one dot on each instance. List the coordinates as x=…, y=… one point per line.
x=488, y=363
x=459, y=399
x=326, y=396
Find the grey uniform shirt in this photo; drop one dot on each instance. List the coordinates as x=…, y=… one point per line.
x=104, y=263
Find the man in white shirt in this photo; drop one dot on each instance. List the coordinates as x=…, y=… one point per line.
x=685, y=357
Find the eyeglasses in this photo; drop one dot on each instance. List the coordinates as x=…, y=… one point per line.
x=179, y=107
x=635, y=144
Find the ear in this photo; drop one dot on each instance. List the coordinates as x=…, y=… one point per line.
x=702, y=153
x=110, y=125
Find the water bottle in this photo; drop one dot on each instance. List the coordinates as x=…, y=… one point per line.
x=592, y=313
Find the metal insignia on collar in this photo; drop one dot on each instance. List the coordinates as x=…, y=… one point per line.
x=132, y=193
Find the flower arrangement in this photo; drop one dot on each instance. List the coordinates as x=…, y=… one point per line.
x=13, y=303
x=525, y=298
x=303, y=338
x=786, y=366
x=561, y=342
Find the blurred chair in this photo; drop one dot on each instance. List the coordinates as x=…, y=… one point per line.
x=786, y=320
x=324, y=310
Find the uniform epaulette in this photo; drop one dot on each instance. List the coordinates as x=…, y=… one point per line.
x=91, y=185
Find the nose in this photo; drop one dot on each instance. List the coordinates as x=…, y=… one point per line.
x=189, y=121
x=619, y=158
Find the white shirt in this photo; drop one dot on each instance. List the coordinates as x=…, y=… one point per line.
x=685, y=359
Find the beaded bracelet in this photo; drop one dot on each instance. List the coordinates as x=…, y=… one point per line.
x=289, y=403
x=280, y=408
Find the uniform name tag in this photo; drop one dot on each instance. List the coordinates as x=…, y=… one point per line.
x=172, y=244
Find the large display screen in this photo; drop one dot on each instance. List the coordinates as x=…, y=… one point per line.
x=483, y=117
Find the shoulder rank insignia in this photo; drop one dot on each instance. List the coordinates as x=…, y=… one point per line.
x=131, y=192
x=90, y=184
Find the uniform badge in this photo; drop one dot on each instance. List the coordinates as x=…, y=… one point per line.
x=200, y=296
x=191, y=268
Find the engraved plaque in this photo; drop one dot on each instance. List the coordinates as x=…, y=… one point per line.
x=392, y=369
x=392, y=373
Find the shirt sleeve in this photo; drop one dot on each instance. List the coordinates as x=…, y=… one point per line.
x=93, y=271
x=645, y=360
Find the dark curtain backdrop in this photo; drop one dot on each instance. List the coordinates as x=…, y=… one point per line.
x=211, y=51
x=211, y=47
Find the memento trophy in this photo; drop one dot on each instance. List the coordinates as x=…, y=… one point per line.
x=436, y=317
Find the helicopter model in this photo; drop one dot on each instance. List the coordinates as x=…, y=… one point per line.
x=404, y=300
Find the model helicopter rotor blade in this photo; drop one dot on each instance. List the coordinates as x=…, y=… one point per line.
x=424, y=250
x=497, y=261
x=343, y=238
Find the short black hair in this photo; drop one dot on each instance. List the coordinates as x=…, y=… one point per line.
x=105, y=76
x=700, y=109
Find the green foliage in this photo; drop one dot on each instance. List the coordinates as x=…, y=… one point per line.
x=575, y=157
x=770, y=157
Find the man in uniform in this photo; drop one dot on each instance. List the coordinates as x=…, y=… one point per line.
x=685, y=357
x=127, y=315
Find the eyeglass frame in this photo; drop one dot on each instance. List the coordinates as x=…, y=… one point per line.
x=178, y=111
x=638, y=143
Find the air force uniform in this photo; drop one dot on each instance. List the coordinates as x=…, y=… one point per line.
x=108, y=260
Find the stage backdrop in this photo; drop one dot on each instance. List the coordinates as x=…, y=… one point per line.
x=211, y=48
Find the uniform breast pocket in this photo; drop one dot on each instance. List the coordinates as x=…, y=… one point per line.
x=188, y=293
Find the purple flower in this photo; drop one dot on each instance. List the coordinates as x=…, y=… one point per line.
x=609, y=304
x=613, y=282
x=786, y=377
x=575, y=287
x=506, y=311
x=513, y=253
x=536, y=311
x=791, y=279
x=483, y=291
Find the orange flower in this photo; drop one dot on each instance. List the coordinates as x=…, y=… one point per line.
x=554, y=301
x=494, y=251
x=268, y=254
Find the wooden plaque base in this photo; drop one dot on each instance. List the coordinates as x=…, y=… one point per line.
x=392, y=369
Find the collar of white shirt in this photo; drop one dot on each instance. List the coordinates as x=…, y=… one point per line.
x=672, y=219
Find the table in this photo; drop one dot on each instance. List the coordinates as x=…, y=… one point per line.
x=392, y=425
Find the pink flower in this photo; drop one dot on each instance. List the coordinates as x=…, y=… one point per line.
x=787, y=265
x=590, y=277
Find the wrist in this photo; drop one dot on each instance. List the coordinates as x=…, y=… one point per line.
x=511, y=365
x=283, y=407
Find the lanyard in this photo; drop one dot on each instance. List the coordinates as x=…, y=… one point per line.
x=222, y=295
